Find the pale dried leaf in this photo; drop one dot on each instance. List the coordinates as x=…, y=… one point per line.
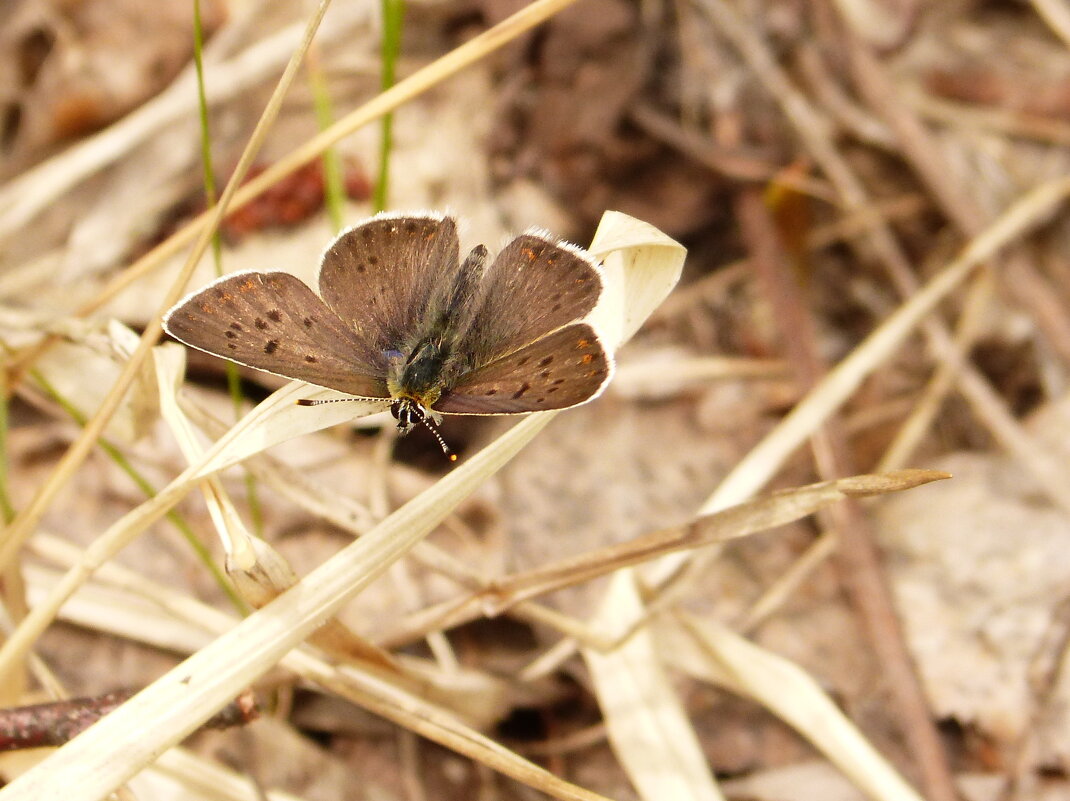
x=647, y=725
x=719, y=655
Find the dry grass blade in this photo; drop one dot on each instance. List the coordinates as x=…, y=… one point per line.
x=640, y=273
x=765, y=459
x=259, y=572
x=278, y=418
x=433, y=704
x=748, y=518
x=1056, y=15
x=200, y=229
x=646, y=722
x=27, y=519
x=26, y=196
x=204, y=779
x=403, y=91
x=786, y=690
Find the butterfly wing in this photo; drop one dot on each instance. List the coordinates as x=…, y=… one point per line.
x=379, y=276
x=535, y=286
x=562, y=369
x=274, y=322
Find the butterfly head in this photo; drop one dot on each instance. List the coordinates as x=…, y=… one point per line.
x=409, y=412
x=415, y=383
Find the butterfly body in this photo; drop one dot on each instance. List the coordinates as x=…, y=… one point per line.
x=404, y=320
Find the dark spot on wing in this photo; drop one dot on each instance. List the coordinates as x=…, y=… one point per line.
x=361, y=268
x=259, y=323
x=230, y=335
x=491, y=392
x=373, y=260
x=308, y=321
x=311, y=359
x=520, y=392
x=271, y=346
x=275, y=316
x=546, y=361
x=237, y=326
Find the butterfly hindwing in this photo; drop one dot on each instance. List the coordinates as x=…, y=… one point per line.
x=380, y=275
x=534, y=286
x=274, y=322
x=564, y=368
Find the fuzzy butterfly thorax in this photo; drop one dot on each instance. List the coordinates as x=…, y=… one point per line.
x=403, y=320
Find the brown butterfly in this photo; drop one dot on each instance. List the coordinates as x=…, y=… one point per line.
x=403, y=319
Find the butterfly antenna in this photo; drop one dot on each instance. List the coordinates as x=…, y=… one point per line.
x=412, y=407
x=426, y=420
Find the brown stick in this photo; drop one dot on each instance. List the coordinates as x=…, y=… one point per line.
x=56, y=723
x=1019, y=278
x=858, y=556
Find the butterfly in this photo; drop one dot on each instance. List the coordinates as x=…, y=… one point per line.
x=400, y=318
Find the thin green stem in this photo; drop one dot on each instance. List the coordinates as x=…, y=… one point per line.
x=333, y=187
x=233, y=377
x=7, y=510
x=206, y=137
x=393, y=16
x=146, y=487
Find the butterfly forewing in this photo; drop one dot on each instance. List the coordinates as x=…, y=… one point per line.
x=562, y=369
x=273, y=322
x=534, y=286
x=379, y=276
